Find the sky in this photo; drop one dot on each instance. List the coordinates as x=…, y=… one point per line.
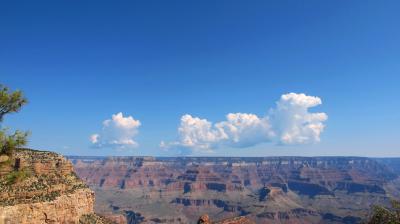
x=205, y=78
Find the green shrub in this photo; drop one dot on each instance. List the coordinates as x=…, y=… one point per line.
x=16, y=176
x=10, y=102
x=382, y=215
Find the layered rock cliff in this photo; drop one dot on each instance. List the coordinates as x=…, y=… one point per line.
x=266, y=190
x=41, y=187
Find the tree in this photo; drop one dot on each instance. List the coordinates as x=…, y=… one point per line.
x=382, y=215
x=10, y=102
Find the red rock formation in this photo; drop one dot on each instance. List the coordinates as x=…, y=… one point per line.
x=204, y=219
x=273, y=190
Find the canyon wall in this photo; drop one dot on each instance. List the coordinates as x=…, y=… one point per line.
x=266, y=190
x=41, y=187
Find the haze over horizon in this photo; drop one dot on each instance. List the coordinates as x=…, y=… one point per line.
x=217, y=79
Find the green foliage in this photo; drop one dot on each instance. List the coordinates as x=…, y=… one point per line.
x=16, y=176
x=93, y=219
x=9, y=142
x=382, y=215
x=11, y=102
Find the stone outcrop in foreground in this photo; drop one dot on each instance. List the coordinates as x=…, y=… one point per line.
x=64, y=209
x=41, y=187
x=205, y=219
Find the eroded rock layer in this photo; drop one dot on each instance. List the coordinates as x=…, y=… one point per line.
x=266, y=190
x=41, y=187
x=64, y=209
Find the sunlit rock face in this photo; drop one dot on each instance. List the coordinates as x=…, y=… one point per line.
x=41, y=187
x=265, y=190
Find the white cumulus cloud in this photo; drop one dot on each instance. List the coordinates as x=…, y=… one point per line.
x=293, y=123
x=289, y=123
x=117, y=132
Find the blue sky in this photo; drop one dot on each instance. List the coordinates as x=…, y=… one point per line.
x=81, y=62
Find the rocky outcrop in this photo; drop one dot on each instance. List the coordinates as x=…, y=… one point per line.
x=205, y=219
x=64, y=209
x=41, y=187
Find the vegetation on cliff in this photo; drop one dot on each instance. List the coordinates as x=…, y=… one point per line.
x=93, y=219
x=36, y=176
x=38, y=186
x=382, y=215
x=10, y=102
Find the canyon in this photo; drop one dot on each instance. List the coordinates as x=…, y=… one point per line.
x=260, y=189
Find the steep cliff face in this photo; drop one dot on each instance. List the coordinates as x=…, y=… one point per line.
x=66, y=208
x=41, y=187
